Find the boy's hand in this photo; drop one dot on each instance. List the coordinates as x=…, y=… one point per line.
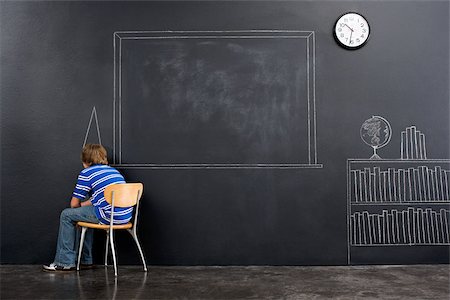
x=75, y=202
x=86, y=203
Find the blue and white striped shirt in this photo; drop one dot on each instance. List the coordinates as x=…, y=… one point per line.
x=92, y=182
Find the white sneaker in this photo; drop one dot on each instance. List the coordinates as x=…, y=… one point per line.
x=55, y=268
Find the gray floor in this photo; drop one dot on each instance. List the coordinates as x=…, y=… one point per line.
x=361, y=282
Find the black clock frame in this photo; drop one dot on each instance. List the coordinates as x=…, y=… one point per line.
x=343, y=45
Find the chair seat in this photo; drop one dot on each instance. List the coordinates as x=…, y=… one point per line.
x=105, y=227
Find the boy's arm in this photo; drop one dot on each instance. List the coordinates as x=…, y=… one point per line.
x=81, y=191
x=75, y=202
x=86, y=203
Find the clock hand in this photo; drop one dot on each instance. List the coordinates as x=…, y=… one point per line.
x=349, y=27
x=350, y=40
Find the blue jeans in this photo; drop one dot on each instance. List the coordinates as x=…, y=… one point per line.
x=69, y=236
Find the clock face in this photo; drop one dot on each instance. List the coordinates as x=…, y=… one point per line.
x=351, y=31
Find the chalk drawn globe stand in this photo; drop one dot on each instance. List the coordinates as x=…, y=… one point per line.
x=376, y=132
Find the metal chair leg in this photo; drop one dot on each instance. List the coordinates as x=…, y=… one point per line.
x=134, y=235
x=107, y=248
x=83, y=233
x=111, y=236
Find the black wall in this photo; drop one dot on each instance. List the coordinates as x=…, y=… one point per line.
x=57, y=64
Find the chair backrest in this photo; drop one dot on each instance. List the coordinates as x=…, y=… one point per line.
x=125, y=194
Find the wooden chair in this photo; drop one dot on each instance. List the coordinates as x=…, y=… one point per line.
x=118, y=195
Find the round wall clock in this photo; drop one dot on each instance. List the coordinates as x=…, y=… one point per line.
x=351, y=31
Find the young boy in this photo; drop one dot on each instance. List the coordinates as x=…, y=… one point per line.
x=89, y=205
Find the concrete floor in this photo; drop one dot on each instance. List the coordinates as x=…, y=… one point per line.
x=357, y=282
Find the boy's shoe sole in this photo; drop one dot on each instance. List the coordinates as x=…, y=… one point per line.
x=53, y=268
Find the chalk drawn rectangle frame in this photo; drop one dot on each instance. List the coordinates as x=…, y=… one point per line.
x=118, y=36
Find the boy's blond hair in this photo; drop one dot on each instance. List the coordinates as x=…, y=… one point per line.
x=93, y=154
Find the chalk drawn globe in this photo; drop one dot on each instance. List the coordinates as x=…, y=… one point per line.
x=376, y=132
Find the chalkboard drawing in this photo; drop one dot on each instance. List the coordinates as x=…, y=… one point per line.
x=409, y=226
x=399, y=185
x=93, y=117
x=247, y=98
x=376, y=132
x=412, y=144
x=397, y=202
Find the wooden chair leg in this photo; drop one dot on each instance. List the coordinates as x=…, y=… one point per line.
x=80, y=250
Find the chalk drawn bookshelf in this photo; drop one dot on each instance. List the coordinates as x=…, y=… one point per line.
x=397, y=203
